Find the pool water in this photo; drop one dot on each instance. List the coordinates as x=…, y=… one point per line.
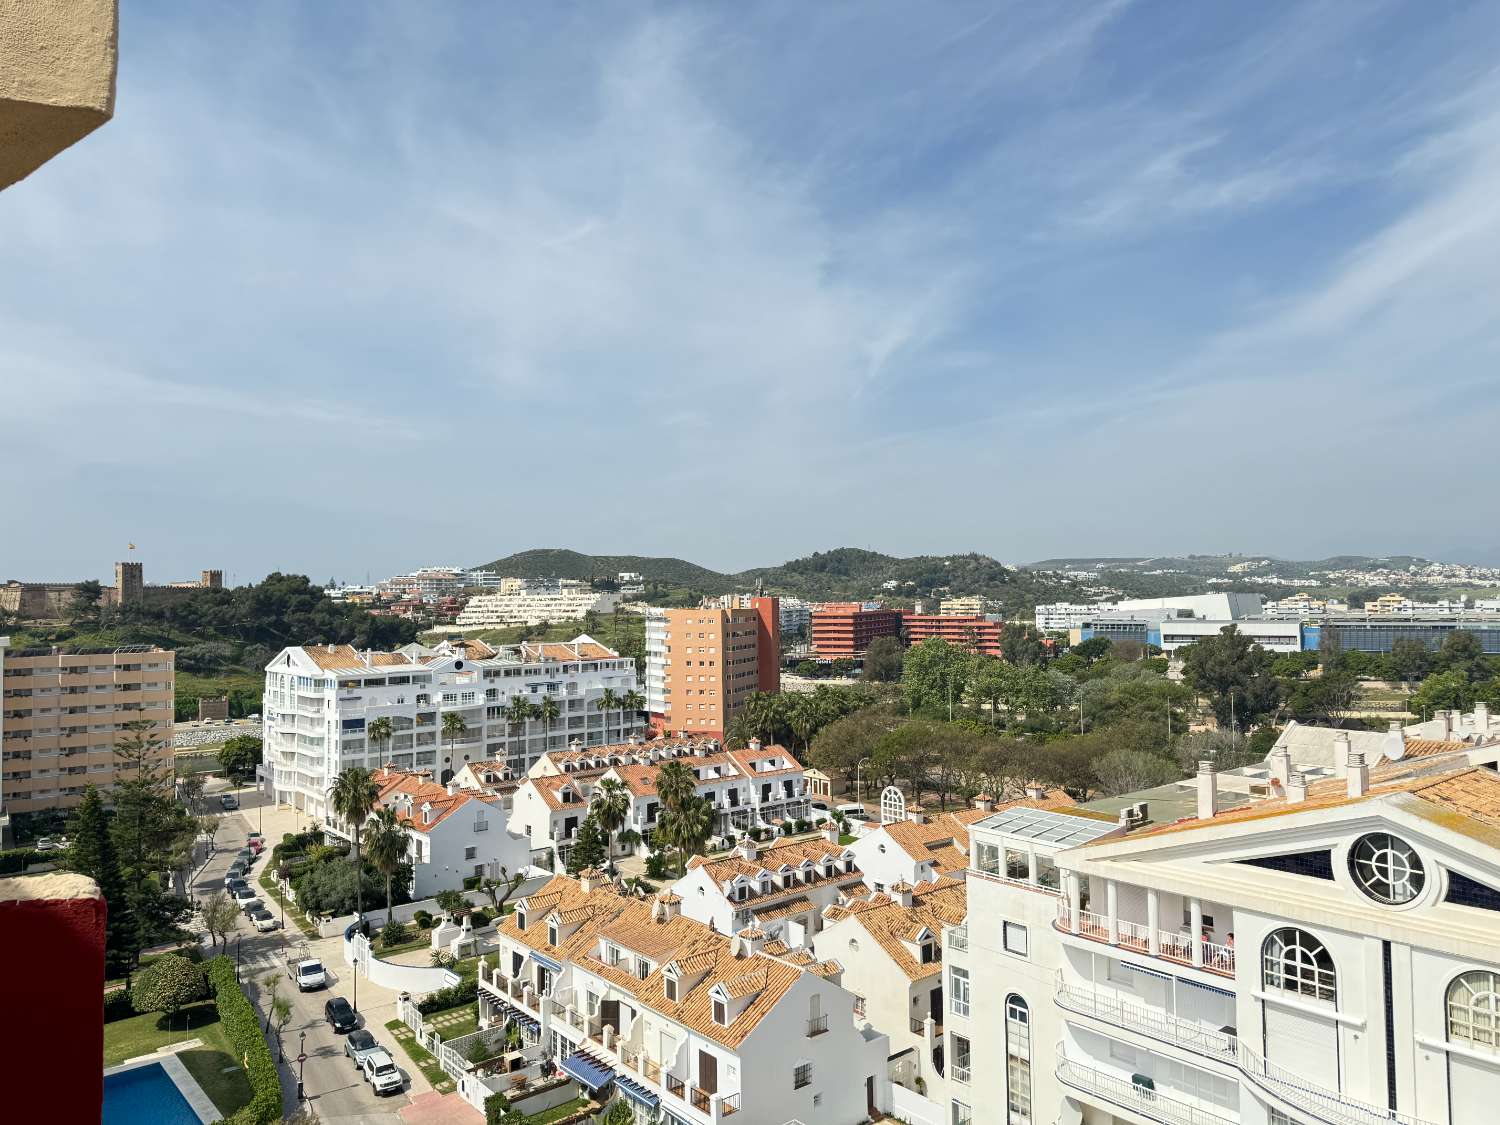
x=145, y=1096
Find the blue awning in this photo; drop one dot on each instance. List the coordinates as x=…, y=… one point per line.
x=1133, y=967
x=545, y=962
x=1207, y=987
x=590, y=1072
x=636, y=1092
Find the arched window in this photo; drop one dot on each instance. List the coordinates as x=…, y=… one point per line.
x=1295, y=961
x=1474, y=1009
x=1386, y=868
x=1017, y=1060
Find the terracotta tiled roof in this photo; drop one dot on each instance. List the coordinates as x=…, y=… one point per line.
x=396, y=784
x=944, y=838
x=1472, y=792
x=772, y=857
x=783, y=909
x=331, y=657
x=934, y=905
x=550, y=790
x=1428, y=747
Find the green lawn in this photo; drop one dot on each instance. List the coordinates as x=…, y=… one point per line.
x=268, y=884
x=141, y=1035
x=422, y=942
x=458, y=1024
x=557, y=1112
x=420, y=1057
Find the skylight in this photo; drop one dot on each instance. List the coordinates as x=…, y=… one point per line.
x=1043, y=824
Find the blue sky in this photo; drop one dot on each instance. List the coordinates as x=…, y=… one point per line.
x=350, y=288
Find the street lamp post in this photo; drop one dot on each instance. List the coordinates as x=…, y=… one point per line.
x=238, y=938
x=301, y=1059
x=859, y=789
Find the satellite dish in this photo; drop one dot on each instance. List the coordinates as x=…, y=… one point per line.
x=1393, y=746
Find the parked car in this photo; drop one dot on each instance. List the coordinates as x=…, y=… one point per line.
x=245, y=898
x=359, y=1044
x=310, y=975
x=229, y=801
x=234, y=875
x=264, y=920
x=256, y=845
x=235, y=886
x=381, y=1073
x=340, y=1015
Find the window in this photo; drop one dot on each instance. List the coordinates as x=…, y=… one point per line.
x=1015, y=938
x=929, y=952
x=960, y=1059
x=471, y=853
x=1474, y=1010
x=1294, y=961
x=859, y=1005
x=669, y=989
x=552, y=932
x=802, y=1076
x=987, y=859
x=1017, y=1060
x=958, y=991
x=962, y=1114
x=1017, y=866
x=1387, y=869
x=1277, y=1117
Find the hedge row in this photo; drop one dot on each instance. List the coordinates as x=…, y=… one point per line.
x=242, y=1026
x=117, y=1005
x=464, y=992
x=19, y=859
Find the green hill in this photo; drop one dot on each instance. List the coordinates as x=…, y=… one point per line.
x=556, y=562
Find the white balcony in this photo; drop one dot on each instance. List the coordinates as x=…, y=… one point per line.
x=1169, y=945
x=1135, y=1095
x=1139, y=1018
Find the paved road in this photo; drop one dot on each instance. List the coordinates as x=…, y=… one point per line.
x=333, y=1086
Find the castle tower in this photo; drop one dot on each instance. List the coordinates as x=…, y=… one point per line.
x=212, y=579
x=130, y=583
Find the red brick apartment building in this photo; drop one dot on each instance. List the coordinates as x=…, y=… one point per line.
x=846, y=630
x=702, y=664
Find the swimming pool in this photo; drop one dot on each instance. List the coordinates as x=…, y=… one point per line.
x=145, y=1095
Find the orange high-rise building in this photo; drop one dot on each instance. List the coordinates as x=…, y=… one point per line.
x=846, y=629
x=977, y=634
x=702, y=664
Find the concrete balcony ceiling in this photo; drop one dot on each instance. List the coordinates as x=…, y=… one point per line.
x=57, y=78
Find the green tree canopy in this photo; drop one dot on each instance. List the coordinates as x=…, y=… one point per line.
x=240, y=755
x=1235, y=674
x=883, y=660
x=169, y=984
x=588, y=846
x=935, y=675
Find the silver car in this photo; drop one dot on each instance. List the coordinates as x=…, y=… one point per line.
x=245, y=898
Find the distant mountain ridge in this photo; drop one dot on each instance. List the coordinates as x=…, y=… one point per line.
x=845, y=573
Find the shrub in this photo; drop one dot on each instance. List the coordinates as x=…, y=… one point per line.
x=19, y=859
x=423, y=920
x=495, y=1108
x=117, y=1006
x=479, y=918
x=242, y=1026
x=471, y=883
x=787, y=827
x=801, y=826
x=464, y=992
x=656, y=865
x=393, y=933
x=168, y=984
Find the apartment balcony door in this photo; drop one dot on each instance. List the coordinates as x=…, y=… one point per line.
x=609, y=1015
x=708, y=1073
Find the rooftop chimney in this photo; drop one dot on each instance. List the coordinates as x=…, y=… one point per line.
x=901, y=892
x=748, y=849
x=1482, y=719
x=453, y=787
x=916, y=814
x=1447, y=717
x=1036, y=792
x=831, y=831
x=748, y=942
x=753, y=744
x=1359, y=775
x=589, y=878
x=665, y=907
x=1281, y=765
x=1208, y=790
x=1341, y=751
x=984, y=803
x=1296, y=789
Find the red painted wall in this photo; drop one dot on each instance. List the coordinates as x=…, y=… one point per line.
x=767, y=644
x=52, y=979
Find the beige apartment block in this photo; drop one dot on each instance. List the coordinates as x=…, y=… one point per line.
x=57, y=78
x=62, y=712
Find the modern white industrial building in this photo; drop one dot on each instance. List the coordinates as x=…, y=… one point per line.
x=320, y=700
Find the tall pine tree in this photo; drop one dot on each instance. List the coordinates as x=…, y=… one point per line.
x=92, y=853
x=588, y=848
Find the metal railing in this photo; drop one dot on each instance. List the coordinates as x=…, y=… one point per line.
x=675, y=1086
x=1171, y=945
x=1327, y=1106
x=699, y=1099
x=1134, y=1095
x=817, y=1025
x=1158, y=1025
x=958, y=937
x=729, y=1103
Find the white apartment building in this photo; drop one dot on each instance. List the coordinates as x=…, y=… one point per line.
x=656, y=661
x=1220, y=607
x=796, y=617
x=453, y=833
x=1328, y=955
x=320, y=699
x=427, y=584
x=691, y=1025
x=532, y=607
x=781, y=887
x=759, y=786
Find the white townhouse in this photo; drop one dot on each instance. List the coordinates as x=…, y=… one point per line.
x=632, y=999
x=320, y=699
x=891, y=948
x=1330, y=954
x=454, y=834
x=757, y=787
x=781, y=888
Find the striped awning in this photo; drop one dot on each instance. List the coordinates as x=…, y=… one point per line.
x=545, y=962
x=636, y=1092
x=588, y=1070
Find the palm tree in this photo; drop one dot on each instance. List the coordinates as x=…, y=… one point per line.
x=351, y=798
x=518, y=712
x=388, y=846
x=378, y=732
x=548, y=712
x=611, y=808
x=606, y=703
x=675, y=784
x=633, y=700
x=454, y=728
x=688, y=827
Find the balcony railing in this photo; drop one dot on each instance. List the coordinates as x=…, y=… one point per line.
x=1158, y=1025
x=1171, y=945
x=958, y=937
x=700, y=1099
x=817, y=1025
x=651, y=1069
x=1135, y=1096
x=1326, y=1105
x=676, y=1087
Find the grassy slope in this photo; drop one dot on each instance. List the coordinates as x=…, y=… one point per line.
x=560, y=563
x=632, y=628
